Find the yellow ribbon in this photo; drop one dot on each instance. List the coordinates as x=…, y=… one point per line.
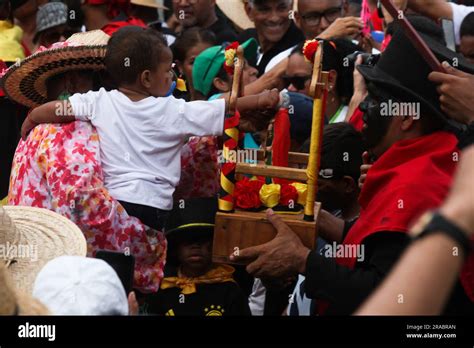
x=219, y=274
x=270, y=195
x=181, y=85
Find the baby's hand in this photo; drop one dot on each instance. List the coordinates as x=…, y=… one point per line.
x=269, y=99
x=27, y=126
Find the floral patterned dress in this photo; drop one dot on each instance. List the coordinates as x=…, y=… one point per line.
x=58, y=168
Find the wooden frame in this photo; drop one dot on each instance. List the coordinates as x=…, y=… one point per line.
x=235, y=230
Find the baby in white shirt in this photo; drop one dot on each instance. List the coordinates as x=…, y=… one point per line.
x=141, y=128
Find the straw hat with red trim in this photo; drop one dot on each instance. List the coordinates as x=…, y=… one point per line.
x=25, y=82
x=30, y=237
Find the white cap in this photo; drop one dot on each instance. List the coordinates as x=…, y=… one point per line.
x=74, y=285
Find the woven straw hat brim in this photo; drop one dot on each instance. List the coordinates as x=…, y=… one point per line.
x=48, y=236
x=28, y=305
x=14, y=301
x=235, y=11
x=26, y=83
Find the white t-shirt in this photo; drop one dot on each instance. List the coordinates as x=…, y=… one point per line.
x=278, y=58
x=140, y=142
x=459, y=13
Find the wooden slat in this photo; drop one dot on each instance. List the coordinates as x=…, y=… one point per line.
x=272, y=171
x=293, y=157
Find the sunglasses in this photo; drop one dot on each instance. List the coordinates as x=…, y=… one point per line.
x=299, y=82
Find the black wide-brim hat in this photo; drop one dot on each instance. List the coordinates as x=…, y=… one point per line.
x=401, y=70
x=25, y=81
x=193, y=217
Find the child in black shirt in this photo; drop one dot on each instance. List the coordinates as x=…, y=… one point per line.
x=193, y=285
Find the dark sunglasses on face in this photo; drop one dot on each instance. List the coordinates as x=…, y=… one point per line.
x=314, y=18
x=298, y=82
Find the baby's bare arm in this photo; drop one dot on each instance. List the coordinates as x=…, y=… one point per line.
x=58, y=111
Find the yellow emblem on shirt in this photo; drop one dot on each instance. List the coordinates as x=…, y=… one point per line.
x=214, y=311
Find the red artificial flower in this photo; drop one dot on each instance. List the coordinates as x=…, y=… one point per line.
x=309, y=49
x=229, y=54
x=229, y=69
x=246, y=194
x=233, y=46
x=288, y=194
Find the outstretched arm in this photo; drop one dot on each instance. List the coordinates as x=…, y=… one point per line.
x=434, y=9
x=256, y=111
x=58, y=111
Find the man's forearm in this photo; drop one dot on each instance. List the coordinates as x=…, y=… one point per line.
x=433, y=9
x=356, y=99
x=269, y=80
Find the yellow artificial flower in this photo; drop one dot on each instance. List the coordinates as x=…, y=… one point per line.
x=270, y=195
x=302, y=191
x=229, y=57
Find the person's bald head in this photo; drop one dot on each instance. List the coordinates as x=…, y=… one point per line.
x=310, y=15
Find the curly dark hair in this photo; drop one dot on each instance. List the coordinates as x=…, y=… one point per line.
x=132, y=50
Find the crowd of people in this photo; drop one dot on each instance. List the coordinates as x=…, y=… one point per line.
x=112, y=119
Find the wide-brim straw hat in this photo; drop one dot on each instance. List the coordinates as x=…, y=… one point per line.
x=33, y=236
x=149, y=3
x=25, y=82
x=235, y=11
x=15, y=302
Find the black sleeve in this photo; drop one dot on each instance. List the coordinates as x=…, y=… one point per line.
x=238, y=302
x=346, y=289
x=466, y=138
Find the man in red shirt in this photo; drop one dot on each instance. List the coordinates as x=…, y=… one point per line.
x=415, y=159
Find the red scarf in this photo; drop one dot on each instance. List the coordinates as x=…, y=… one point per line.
x=410, y=178
x=357, y=120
